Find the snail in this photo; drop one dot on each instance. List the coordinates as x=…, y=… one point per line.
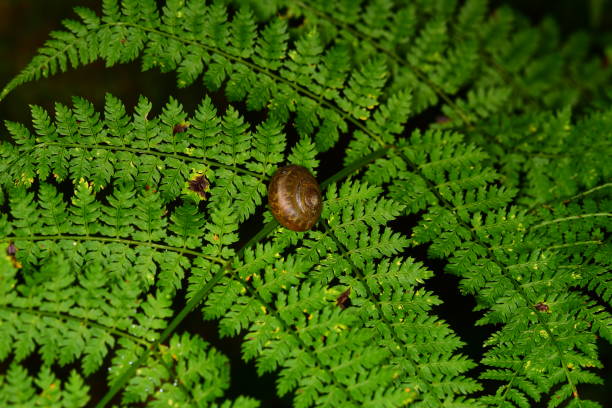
x=294, y=197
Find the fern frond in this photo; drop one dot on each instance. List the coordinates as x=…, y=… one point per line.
x=273, y=76
x=272, y=293
x=75, y=47
x=108, y=218
x=510, y=270
x=18, y=388
x=108, y=309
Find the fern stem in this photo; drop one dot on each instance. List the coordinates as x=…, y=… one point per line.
x=209, y=162
x=589, y=191
x=573, y=244
x=351, y=168
x=89, y=322
x=573, y=217
x=118, y=240
x=514, y=376
x=572, y=198
x=267, y=229
x=129, y=373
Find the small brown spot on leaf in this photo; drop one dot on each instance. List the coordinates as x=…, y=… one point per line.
x=11, y=250
x=343, y=300
x=180, y=128
x=199, y=185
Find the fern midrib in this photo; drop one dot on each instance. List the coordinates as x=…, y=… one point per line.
x=567, y=199
x=577, y=243
x=474, y=155
x=356, y=165
x=82, y=320
x=570, y=218
x=125, y=241
x=56, y=219
x=514, y=377
x=20, y=79
x=523, y=245
x=180, y=157
x=463, y=181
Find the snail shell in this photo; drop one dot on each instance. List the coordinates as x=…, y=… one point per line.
x=294, y=197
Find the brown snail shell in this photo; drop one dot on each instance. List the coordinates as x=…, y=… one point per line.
x=294, y=197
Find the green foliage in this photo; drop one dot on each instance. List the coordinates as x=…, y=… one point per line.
x=105, y=247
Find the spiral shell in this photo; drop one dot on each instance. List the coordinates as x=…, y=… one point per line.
x=294, y=197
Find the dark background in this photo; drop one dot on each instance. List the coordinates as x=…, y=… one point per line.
x=25, y=25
